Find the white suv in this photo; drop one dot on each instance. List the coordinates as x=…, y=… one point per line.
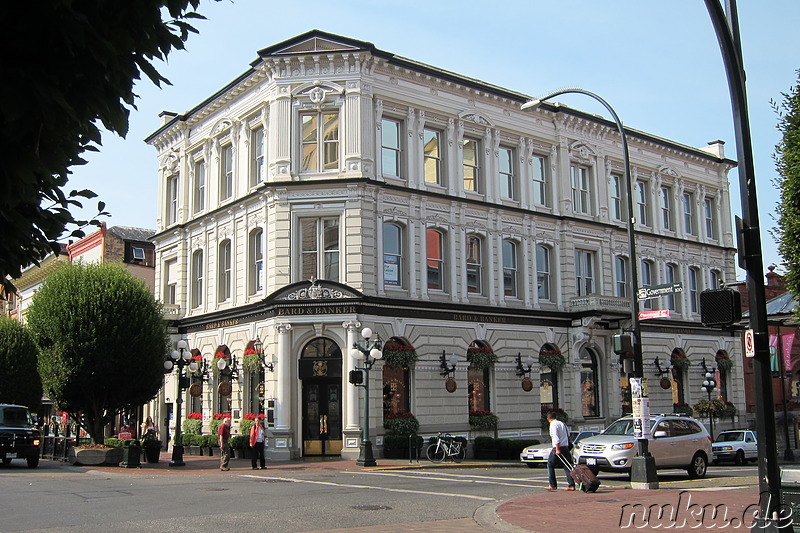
x=678, y=442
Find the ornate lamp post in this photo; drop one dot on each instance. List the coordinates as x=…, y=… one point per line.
x=370, y=354
x=708, y=386
x=178, y=359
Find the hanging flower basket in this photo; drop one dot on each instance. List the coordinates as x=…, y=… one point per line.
x=680, y=361
x=724, y=363
x=251, y=362
x=729, y=411
x=714, y=407
x=682, y=408
x=481, y=357
x=399, y=355
x=552, y=359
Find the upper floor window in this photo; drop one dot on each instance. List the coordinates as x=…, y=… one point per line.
x=256, y=156
x=320, y=140
x=435, y=259
x=509, y=268
x=584, y=272
x=616, y=197
x=666, y=209
x=256, y=249
x=196, y=288
x=543, y=272
x=642, y=204
x=713, y=279
x=226, y=172
x=539, y=181
x=621, y=277
x=688, y=214
x=390, y=147
x=710, y=208
x=392, y=255
x=320, y=248
x=505, y=173
x=199, y=193
x=171, y=282
x=474, y=265
x=432, y=160
x=581, y=199
x=471, y=163
x=647, y=281
x=693, y=290
x=224, y=271
x=671, y=276
x=172, y=199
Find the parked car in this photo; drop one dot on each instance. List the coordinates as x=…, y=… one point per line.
x=537, y=454
x=678, y=442
x=19, y=438
x=737, y=445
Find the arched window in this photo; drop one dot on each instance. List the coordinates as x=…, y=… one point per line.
x=255, y=380
x=510, y=268
x=678, y=376
x=392, y=255
x=543, y=272
x=196, y=402
x=478, y=393
x=223, y=402
x=474, y=265
x=396, y=380
x=724, y=365
x=256, y=263
x=224, y=271
x=590, y=384
x=548, y=376
x=435, y=259
x=196, y=290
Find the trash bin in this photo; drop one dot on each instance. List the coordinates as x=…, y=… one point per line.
x=790, y=492
x=131, y=455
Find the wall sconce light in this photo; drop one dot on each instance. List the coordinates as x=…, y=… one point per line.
x=258, y=347
x=660, y=371
x=228, y=369
x=443, y=364
x=521, y=369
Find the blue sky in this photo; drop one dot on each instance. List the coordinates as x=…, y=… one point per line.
x=657, y=63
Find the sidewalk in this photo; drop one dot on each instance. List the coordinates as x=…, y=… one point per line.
x=609, y=509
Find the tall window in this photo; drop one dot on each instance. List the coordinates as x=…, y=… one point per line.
x=616, y=197
x=256, y=156
x=435, y=259
x=710, y=208
x=539, y=181
x=171, y=282
x=590, y=384
x=432, y=161
x=713, y=279
x=471, y=163
x=671, y=276
x=647, y=281
x=474, y=265
x=478, y=384
x=196, y=294
x=320, y=248
x=505, y=173
x=226, y=172
x=224, y=271
x=320, y=140
x=666, y=208
x=548, y=379
x=256, y=274
x=390, y=147
x=693, y=290
x=584, y=272
x=509, y=268
x=396, y=382
x=581, y=201
x=392, y=255
x=688, y=214
x=642, y=204
x=543, y=272
x=172, y=199
x=199, y=196
x=621, y=277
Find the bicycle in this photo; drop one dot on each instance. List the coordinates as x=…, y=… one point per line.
x=446, y=446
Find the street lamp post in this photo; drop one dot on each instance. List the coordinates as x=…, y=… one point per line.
x=178, y=359
x=708, y=386
x=370, y=354
x=643, y=468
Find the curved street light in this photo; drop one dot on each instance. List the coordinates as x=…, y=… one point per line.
x=369, y=355
x=179, y=359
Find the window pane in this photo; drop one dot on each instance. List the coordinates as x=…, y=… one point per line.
x=539, y=184
x=435, y=260
x=470, y=164
x=432, y=157
x=309, y=136
x=331, y=140
x=509, y=268
x=473, y=265
x=390, y=142
x=506, y=175
x=543, y=272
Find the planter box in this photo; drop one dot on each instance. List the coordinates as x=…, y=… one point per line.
x=212, y=452
x=152, y=454
x=95, y=456
x=131, y=457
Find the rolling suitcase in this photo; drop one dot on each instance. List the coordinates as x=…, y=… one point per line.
x=583, y=476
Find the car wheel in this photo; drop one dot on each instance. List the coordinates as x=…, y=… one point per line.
x=531, y=465
x=6, y=461
x=697, y=469
x=739, y=459
x=33, y=462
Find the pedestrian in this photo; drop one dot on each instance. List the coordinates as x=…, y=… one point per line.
x=147, y=426
x=258, y=440
x=224, y=434
x=559, y=436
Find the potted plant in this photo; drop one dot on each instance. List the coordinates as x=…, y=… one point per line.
x=190, y=444
x=397, y=355
x=680, y=361
x=482, y=421
x=481, y=357
x=216, y=422
x=401, y=434
x=240, y=444
x=151, y=447
x=552, y=359
x=211, y=442
x=251, y=362
x=724, y=363
x=682, y=408
x=193, y=424
x=485, y=447
x=246, y=423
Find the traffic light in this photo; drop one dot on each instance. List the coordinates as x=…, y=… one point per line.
x=720, y=307
x=623, y=344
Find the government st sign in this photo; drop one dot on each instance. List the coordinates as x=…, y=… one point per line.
x=648, y=293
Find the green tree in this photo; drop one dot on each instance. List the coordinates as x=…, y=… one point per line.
x=787, y=159
x=68, y=68
x=19, y=377
x=102, y=341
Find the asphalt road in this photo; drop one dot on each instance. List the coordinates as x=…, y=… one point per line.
x=293, y=498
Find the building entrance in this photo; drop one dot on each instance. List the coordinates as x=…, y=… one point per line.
x=321, y=375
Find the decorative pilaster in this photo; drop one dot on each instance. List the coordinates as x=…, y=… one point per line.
x=352, y=429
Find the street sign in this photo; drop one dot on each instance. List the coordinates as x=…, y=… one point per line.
x=655, y=313
x=749, y=343
x=648, y=293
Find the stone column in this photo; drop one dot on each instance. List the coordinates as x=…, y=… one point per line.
x=352, y=428
x=281, y=445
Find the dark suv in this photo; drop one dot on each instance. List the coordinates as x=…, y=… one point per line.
x=19, y=438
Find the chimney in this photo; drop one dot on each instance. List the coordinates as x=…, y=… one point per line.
x=716, y=148
x=166, y=116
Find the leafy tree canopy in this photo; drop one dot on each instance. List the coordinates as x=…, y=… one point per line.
x=787, y=159
x=67, y=68
x=19, y=377
x=102, y=340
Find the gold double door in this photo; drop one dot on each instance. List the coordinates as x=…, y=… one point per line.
x=322, y=417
